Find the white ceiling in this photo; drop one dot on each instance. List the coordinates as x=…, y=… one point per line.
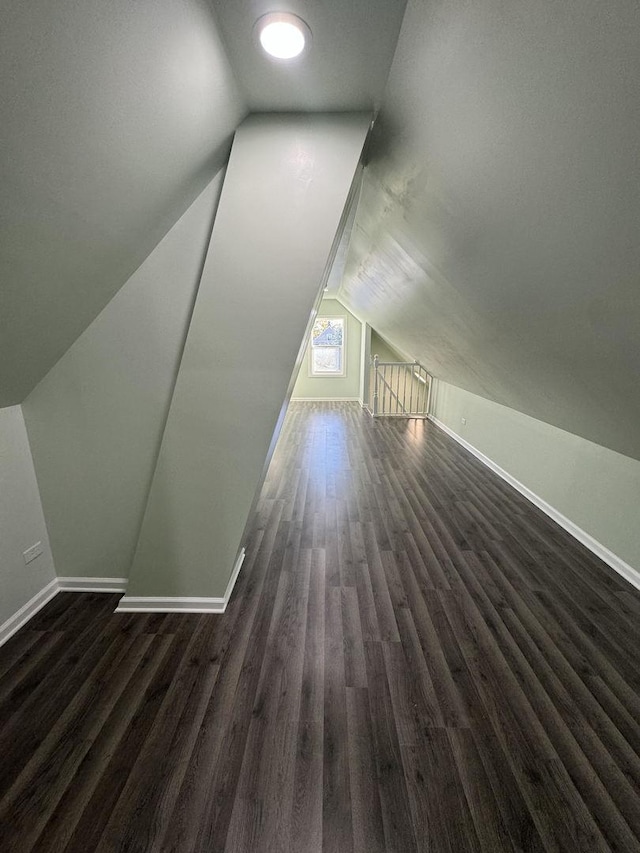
x=345, y=68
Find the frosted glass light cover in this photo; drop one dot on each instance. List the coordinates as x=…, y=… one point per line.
x=282, y=35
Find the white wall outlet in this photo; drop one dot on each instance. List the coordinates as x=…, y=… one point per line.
x=32, y=552
x=464, y=421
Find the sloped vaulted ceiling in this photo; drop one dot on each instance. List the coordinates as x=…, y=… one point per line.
x=497, y=238
x=113, y=116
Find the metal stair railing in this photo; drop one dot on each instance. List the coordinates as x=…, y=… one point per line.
x=401, y=389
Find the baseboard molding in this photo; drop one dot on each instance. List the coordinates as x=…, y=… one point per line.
x=234, y=576
x=78, y=584
x=628, y=572
x=147, y=605
x=156, y=604
x=28, y=610
x=325, y=400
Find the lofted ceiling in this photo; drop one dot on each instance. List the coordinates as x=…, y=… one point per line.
x=497, y=238
x=114, y=117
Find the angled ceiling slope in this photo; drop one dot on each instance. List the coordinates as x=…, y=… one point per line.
x=497, y=237
x=113, y=119
x=114, y=116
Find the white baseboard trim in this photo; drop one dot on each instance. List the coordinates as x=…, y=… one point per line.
x=628, y=572
x=325, y=399
x=234, y=576
x=156, y=604
x=22, y=616
x=78, y=584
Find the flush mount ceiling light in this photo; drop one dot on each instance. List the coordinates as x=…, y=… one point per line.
x=282, y=35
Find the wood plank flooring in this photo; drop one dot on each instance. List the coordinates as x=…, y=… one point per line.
x=414, y=659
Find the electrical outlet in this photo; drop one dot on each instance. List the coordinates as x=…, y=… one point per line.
x=32, y=552
x=464, y=421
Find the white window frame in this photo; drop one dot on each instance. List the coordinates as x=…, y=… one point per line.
x=329, y=375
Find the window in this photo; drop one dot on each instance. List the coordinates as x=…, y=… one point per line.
x=327, y=347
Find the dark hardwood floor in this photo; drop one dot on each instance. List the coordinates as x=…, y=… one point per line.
x=414, y=659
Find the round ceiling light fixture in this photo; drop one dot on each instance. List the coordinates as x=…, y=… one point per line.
x=282, y=35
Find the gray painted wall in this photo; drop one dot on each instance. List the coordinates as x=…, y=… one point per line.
x=384, y=350
x=596, y=488
x=21, y=520
x=95, y=421
x=114, y=117
x=497, y=235
x=286, y=186
x=334, y=387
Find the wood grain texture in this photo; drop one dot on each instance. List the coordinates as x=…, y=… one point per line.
x=414, y=659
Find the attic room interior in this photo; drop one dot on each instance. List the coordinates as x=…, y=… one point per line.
x=242, y=608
